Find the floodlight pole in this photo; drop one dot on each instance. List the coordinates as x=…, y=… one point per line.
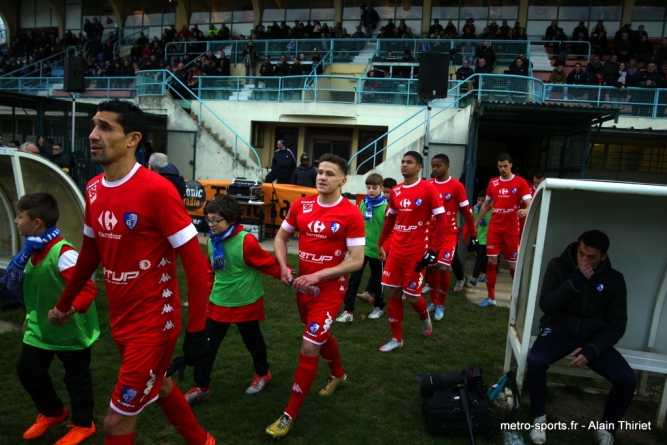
x=73, y=119
x=425, y=175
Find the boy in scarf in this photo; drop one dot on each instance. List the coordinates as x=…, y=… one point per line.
x=373, y=209
x=43, y=268
x=236, y=261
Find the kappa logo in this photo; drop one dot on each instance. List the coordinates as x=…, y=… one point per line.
x=169, y=325
x=167, y=293
x=149, y=383
x=316, y=226
x=342, y=288
x=503, y=191
x=307, y=206
x=327, y=323
x=163, y=262
x=131, y=220
x=418, y=202
x=165, y=278
x=334, y=227
x=107, y=220
x=405, y=203
x=397, y=191
x=167, y=308
x=297, y=388
x=514, y=255
x=342, y=278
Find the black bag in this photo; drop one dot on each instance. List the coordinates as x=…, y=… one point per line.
x=455, y=403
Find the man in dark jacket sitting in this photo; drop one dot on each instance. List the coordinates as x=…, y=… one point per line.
x=305, y=174
x=585, y=315
x=159, y=163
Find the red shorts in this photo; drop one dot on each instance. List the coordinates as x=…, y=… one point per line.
x=401, y=273
x=141, y=372
x=446, y=252
x=317, y=312
x=508, y=245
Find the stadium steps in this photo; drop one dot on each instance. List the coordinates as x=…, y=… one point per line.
x=366, y=54
x=218, y=138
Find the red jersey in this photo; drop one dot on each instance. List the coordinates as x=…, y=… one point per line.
x=507, y=196
x=413, y=206
x=453, y=196
x=136, y=235
x=325, y=233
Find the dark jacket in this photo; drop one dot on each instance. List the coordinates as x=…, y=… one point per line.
x=283, y=165
x=171, y=173
x=305, y=175
x=593, y=310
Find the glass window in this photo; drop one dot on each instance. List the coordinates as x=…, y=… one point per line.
x=648, y=13
x=605, y=10
x=541, y=10
x=654, y=29
x=504, y=13
x=573, y=13
x=221, y=11
x=444, y=13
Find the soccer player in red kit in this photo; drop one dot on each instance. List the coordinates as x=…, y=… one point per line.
x=329, y=226
x=454, y=199
x=135, y=223
x=409, y=211
x=507, y=193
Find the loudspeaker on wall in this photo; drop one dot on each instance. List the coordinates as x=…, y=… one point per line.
x=74, y=81
x=433, y=75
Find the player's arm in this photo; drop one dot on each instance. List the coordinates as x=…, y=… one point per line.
x=195, y=271
x=255, y=256
x=210, y=275
x=280, y=250
x=467, y=217
x=351, y=263
x=387, y=227
x=527, y=200
x=483, y=210
x=66, y=262
x=88, y=260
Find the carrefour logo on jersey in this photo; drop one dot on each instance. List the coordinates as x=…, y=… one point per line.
x=107, y=220
x=405, y=203
x=316, y=226
x=503, y=191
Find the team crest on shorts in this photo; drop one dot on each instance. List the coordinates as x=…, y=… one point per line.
x=128, y=394
x=313, y=328
x=131, y=220
x=334, y=227
x=447, y=255
x=412, y=285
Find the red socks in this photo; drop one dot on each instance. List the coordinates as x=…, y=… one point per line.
x=331, y=356
x=434, y=281
x=445, y=281
x=305, y=374
x=420, y=307
x=179, y=414
x=395, y=310
x=491, y=277
x=123, y=439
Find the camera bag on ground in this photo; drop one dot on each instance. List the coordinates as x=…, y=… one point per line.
x=456, y=403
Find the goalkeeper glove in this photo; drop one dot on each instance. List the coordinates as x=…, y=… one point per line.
x=428, y=258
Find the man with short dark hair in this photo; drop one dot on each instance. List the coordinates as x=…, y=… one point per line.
x=465, y=71
x=283, y=165
x=584, y=302
x=305, y=174
x=60, y=158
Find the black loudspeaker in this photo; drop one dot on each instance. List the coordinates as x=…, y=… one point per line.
x=433, y=75
x=74, y=78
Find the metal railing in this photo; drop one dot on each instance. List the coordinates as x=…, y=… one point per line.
x=482, y=86
x=53, y=62
x=156, y=83
x=634, y=102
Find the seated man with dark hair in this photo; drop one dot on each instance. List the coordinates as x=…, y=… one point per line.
x=584, y=302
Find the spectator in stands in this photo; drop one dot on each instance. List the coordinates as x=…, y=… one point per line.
x=661, y=53
x=409, y=34
x=464, y=71
x=593, y=66
x=370, y=19
x=551, y=30
x=560, y=46
x=192, y=79
x=142, y=40
x=577, y=77
x=2, y=141
x=643, y=51
x=436, y=27
x=486, y=33
x=282, y=67
x=557, y=77
x=627, y=29
x=521, y=34
x=212, y=32
x=60, y=158
x=224, y=33
x=250, y=59
x=359, y=34
x=611, y=66
x=468, y=53
x=505, y=30
x=450, y=30
x=487, y=53
x=623, y=48
x=97, y=28
x=650, y=78
x=29, y=147
x=579, y=46
x=518, y=68
x=405, y=72
x=371, y=85
x=159, y=163
x=482, y=68
x=305, y=174
x=88, y=28
x=620, y=80
x=581, y=28
x=469, y=29
x=599, y=79
x=633, y=69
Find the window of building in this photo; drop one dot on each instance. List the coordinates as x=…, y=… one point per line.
x=653, y=15
x=301, y=10
x=481, y=11
x=237, y=15
x=568, y=14
x=411, y=11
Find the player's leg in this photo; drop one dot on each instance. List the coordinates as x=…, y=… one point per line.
x=180, y=415
x=446, y=256
x=251, y=333
x=391, y=278
x=433, y=279
x=79, y=383
x=376, y=277
x=412, y=289
x=493, y=246
x=457, y=269
x=510, y=249
x=331, y=356
x=215, y=332
x=33, y=371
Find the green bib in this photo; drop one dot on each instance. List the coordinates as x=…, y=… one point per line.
x=239, y=284
x=42, y=288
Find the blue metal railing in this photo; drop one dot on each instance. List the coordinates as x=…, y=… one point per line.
x=156, y=82
x=54, y=62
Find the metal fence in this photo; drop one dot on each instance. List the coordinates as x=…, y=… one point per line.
x=634, y=102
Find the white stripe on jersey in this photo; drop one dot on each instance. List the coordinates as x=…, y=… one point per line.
x=182, y=236
x=67, y=260
x=287, y=227
x=88, y=231
x=463, y=204
x=355, y=242
x=438, y=211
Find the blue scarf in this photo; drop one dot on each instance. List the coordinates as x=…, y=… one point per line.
x=370, y=204
x=14, y=274
x=218, y=253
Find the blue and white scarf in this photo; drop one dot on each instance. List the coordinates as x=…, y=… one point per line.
x=218, y=253
x=15, y=272
x=370, y=204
